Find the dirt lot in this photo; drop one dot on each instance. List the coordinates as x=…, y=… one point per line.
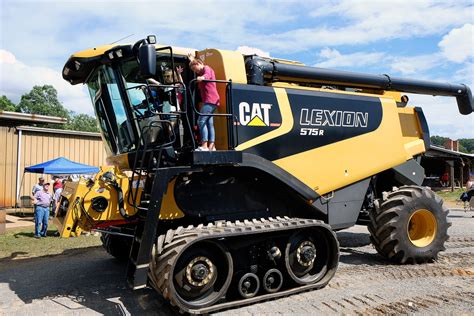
x=88, y=281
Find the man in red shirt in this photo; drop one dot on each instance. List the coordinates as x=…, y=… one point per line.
x=210, y=102
x=58, y=183
x=445, y=179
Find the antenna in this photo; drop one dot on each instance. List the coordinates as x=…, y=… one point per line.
x=122, y=39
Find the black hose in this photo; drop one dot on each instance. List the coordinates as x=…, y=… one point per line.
x=121, y=201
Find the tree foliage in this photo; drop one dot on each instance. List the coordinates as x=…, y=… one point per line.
x=6, y=104
x=438, y=140
x=42, y=100
x=82, y=122
x=466, y=145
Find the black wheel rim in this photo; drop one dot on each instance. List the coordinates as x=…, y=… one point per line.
x=307, y=256
x=272, y=280
x=202, y=274
x=248, y=285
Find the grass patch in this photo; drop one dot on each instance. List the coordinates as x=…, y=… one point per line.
x=449, y=196
x=20, y=243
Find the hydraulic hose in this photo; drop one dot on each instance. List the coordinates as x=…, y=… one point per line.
x=121, y=201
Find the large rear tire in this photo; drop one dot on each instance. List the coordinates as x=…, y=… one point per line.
x=409, y=225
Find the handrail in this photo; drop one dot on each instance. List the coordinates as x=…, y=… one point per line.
x=193, y=81
x=183, y=112
x=145, y=150
x=230, y=116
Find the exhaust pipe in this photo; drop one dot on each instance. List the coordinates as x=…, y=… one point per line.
x=261, y=70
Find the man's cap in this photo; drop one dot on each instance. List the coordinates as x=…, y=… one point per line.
x=47, y=183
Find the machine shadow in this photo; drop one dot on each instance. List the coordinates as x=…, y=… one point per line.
x=350, y=254
x=78, y=279
x=348, y=239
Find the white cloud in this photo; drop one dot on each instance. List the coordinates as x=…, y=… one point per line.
x=415, y=64
x=465, y=75
x=57, y=29
x=333, y=58
x=368, y=21
x=6, y=57
x=18, y=78
x=443, y=116
x=458, y=44
x=246, y=50
x=408, y=65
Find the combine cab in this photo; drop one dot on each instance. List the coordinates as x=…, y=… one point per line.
x=302, y=152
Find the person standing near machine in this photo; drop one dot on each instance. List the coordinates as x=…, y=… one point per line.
x=210, y=102
x=42, y=200
x=37, y=187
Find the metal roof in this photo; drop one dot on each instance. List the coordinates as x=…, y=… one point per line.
x=57, y=131
x=437, y=151
x=35, y=118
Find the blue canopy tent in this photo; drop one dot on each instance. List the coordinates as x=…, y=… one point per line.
x=61, y=165
x=58, y=166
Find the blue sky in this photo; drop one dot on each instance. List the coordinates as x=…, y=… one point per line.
x=415, y=39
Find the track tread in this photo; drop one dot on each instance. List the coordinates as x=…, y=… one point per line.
x=173, y=242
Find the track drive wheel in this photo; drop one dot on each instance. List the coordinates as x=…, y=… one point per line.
x=117, y=246
x=410, y=225
x=310, y=256
x=198, y=277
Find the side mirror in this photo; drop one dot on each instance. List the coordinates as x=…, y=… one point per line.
x=147, y=59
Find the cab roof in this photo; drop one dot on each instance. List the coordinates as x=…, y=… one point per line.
x=80, y=64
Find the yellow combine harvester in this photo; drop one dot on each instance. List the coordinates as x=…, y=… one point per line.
x=302, y=151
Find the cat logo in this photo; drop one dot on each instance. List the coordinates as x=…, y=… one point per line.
x=257, y=114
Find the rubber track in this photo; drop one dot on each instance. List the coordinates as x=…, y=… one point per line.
x=170, y=245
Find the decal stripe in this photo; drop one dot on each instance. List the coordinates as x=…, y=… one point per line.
x=286, y=126
x=331, y=108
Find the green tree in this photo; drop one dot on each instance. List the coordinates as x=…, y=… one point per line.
x=82, y=122
x=42, y=100
x=438, y=140
x=462, y=149
x=468, y=144
x=6, y=104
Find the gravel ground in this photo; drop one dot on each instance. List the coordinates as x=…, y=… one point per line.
x=88, y=281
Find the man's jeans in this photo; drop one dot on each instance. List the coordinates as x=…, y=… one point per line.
x=41, y=220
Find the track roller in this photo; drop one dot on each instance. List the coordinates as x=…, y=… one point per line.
x=248, y=285
x=272, y=281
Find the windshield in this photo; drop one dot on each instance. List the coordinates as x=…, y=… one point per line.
x=128, y=106
x=111, y=112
